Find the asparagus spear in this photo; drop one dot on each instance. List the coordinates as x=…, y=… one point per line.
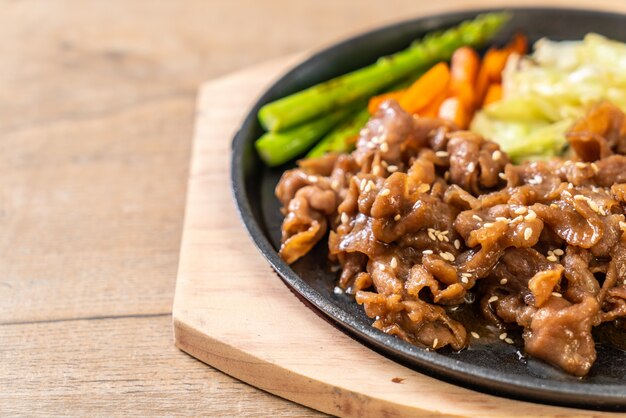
x=276, y=148
x=337, y=140
x=314, y=101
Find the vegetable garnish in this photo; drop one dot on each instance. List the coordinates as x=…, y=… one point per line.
x=290, y=115
x=544, y=93
x=276, y=148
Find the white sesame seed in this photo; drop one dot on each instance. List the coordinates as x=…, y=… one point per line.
x=492, y=299
x=554, y=206
x=368, y=187
x=384, y=147
x=435, y=342
x=383, y=267
x=385, y=192
x=376, y=170
x=528, y=233
x=475, y=334
x=552, y=258
x=594, y=206
x=622, y=225
x=471, y=167
x=432, y=236
x=508, y=341
x=344, y=218
x=312, y=179
x=502, y=219
x=557, y=294
x=427, y=252
x=502, y=176
x=496, y=155
x=362, y=184
x=397, y=217
x=477, y=218
x=532, y=215
x=464, y=280
x=447, y=256
x=502, y=336
x=440, y=237
x=558, y=251
x=393, y=263
x=442, y=154
x=518, y=218
x=487, y=225
x=566, y=193
x=468, y=275
x=521, y=210
x=337, y=290
x=595, y=168
x=503, y=281
x=579, y=197
x=581, y=165
x=457, y=244
x=445, y=232
x=570, y=186
x=384, y=163
x=334, y=184
x=392, y=168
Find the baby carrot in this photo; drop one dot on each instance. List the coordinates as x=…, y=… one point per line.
x=494, y=63
x=463, y=72
x=426, y=88
x=452, y=109
x=375, y=101
x=431, y=110
x=494, y=93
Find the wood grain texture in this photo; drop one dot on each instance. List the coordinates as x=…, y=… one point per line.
x=96, y=112
x=117, y=367
x=97, y=102
x=233, y=312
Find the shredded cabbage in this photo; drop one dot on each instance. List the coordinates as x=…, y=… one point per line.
x=545, y=92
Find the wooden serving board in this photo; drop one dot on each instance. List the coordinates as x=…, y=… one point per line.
x=233, y=312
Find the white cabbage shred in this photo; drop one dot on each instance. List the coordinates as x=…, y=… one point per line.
x=545, y=92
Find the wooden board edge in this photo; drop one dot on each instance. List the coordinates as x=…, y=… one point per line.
x=285, y=383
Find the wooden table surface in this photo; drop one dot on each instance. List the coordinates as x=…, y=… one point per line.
x=96, y=117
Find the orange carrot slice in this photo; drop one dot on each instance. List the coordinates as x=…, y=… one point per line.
x=494, y=93
x=426, y=88
x=376, y=101
x=490, y=71
x=463, y=72
x=494, y=62
x=431, y=110
x=452, y=109
x=518, y=45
